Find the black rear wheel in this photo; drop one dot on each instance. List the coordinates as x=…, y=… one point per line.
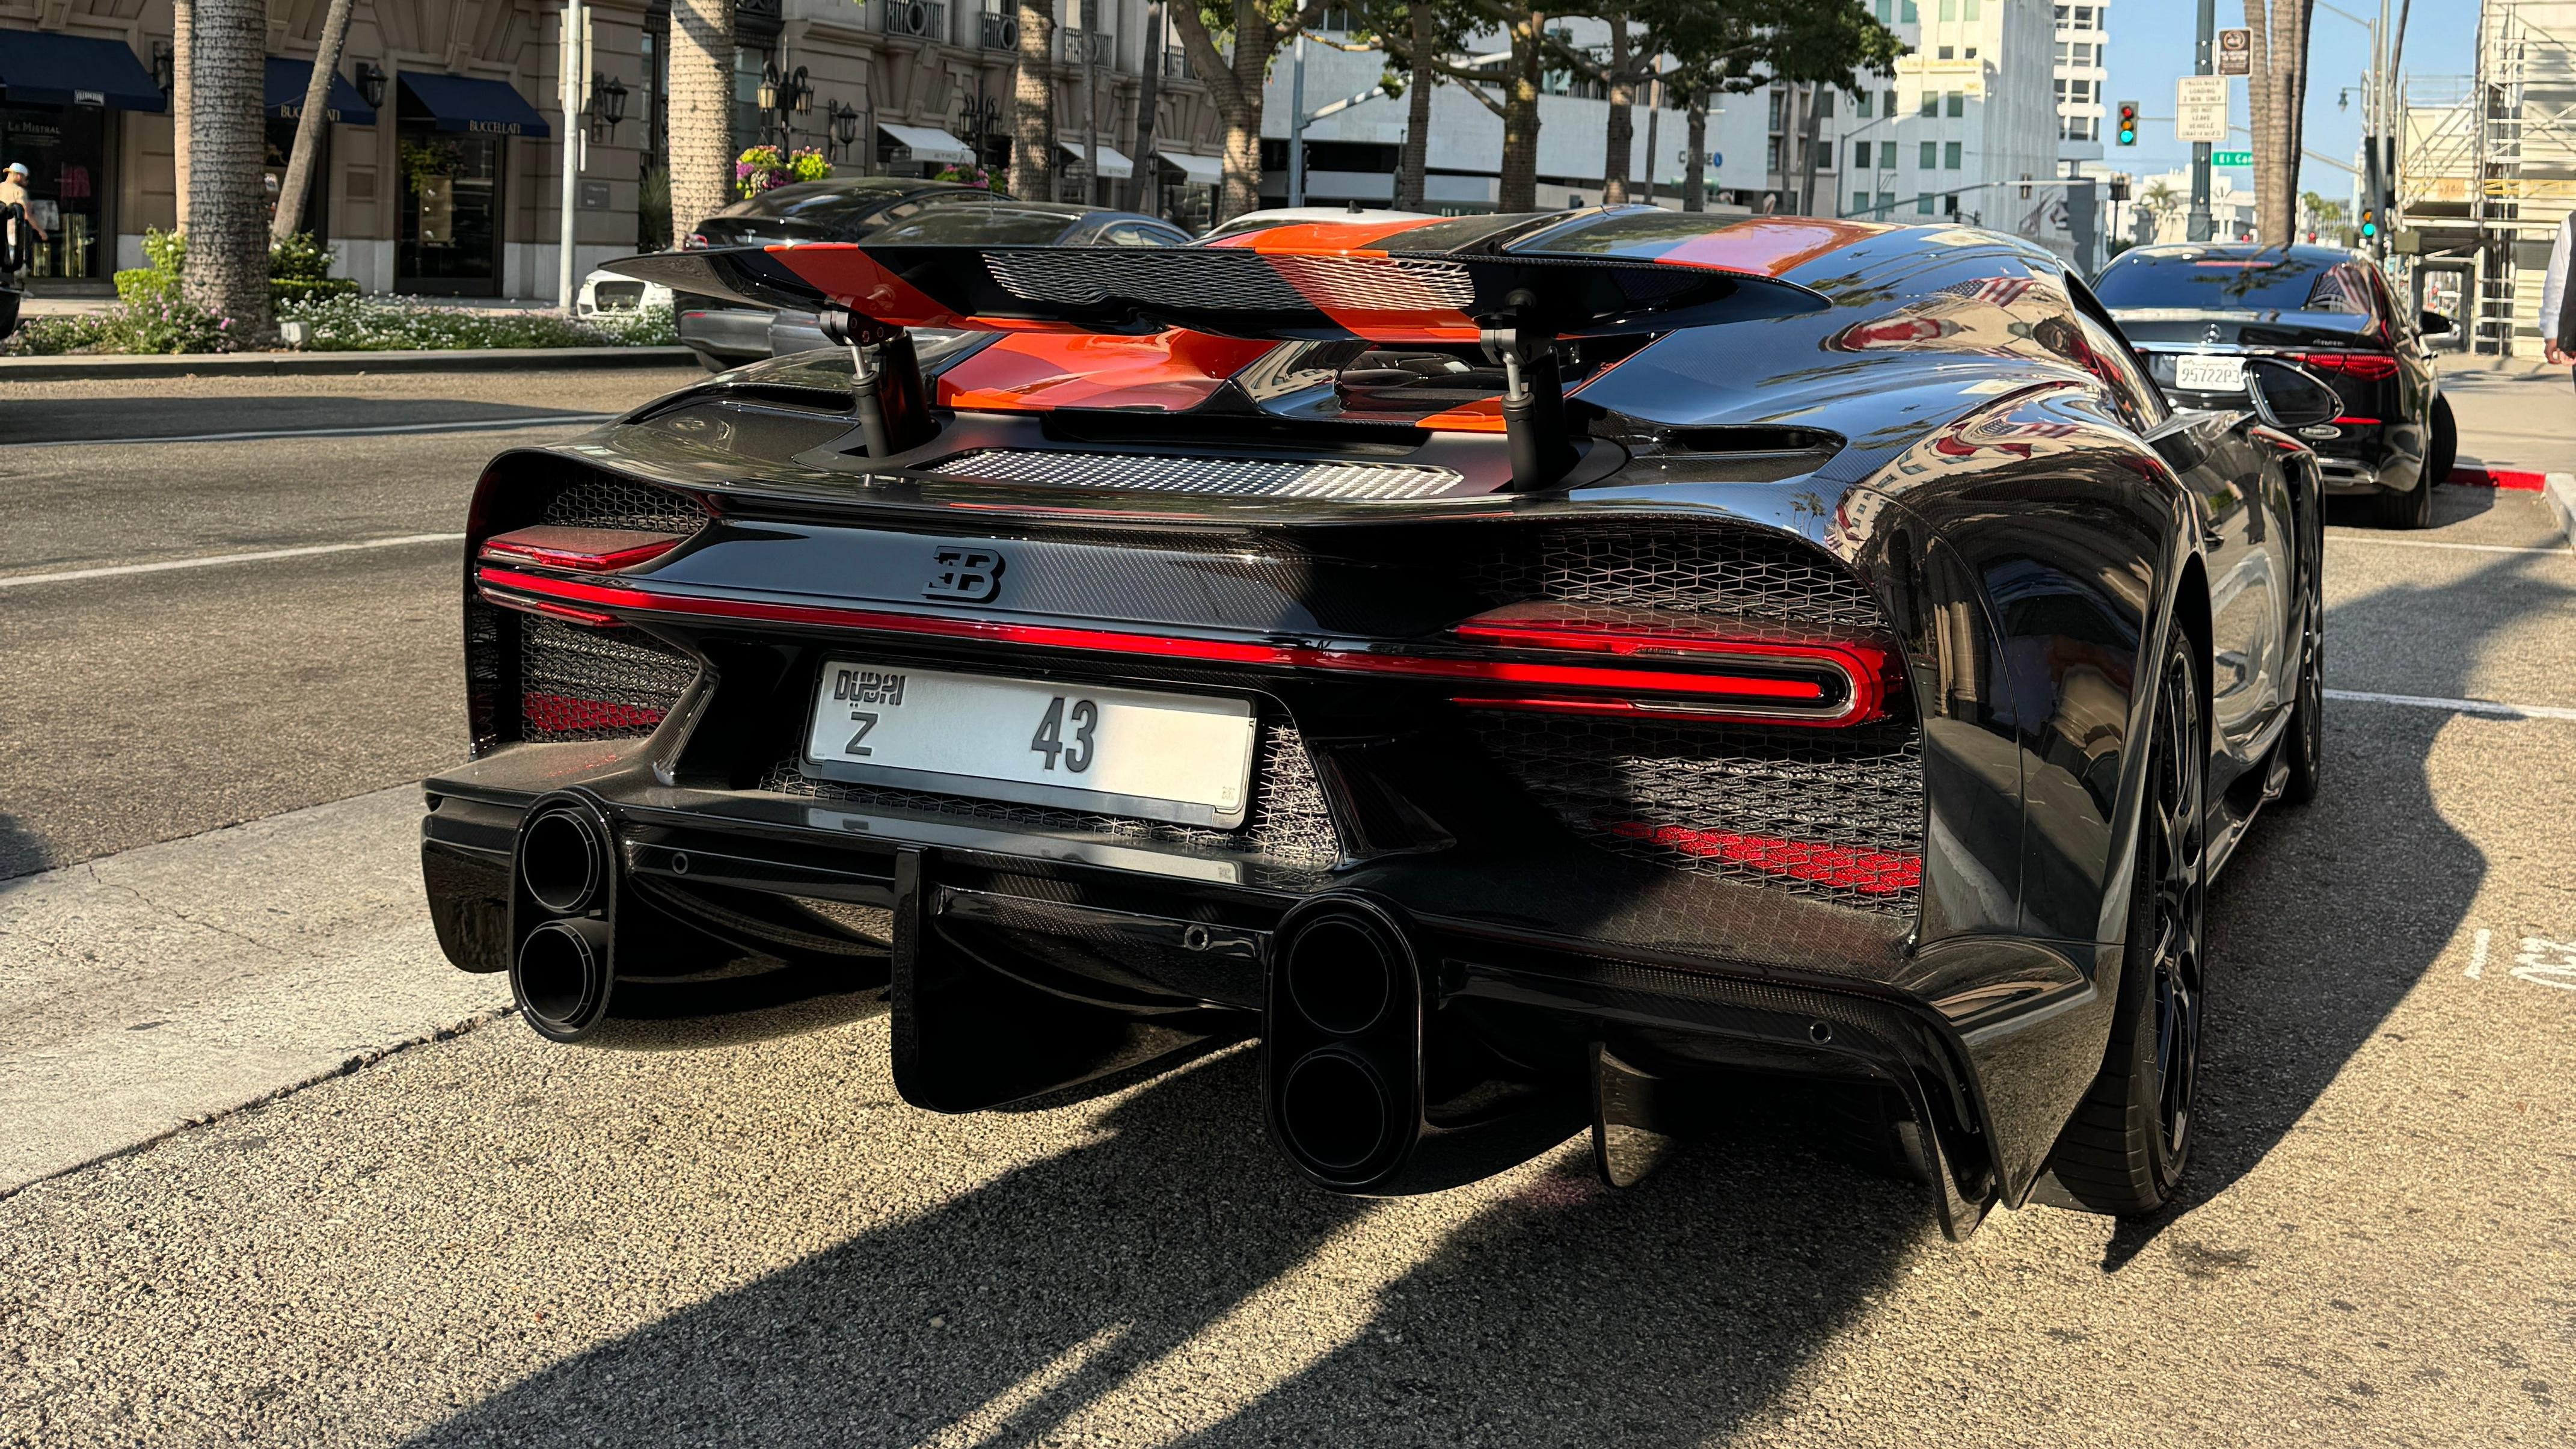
x=2124, y=1149
x=2307, y=741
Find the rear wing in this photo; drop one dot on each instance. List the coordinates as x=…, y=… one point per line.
x=1517, y=306
x=1304, y=295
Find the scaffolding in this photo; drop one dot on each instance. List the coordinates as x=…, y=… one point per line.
x=2487, y=169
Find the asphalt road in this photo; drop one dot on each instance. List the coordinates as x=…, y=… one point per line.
x=269, y=1171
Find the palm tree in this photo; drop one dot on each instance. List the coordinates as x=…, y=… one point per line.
x=182, y=80
x=1411, y=172
x=701, y=112
x=308, y=129
x=1033, y=103
x=227, y=269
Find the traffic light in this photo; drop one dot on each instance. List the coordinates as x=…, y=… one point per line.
x=2128, y=123
x=2369, y=223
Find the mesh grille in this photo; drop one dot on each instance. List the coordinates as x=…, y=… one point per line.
x=1211, y=281
x=594, y=502
x=1230, y=477
x=579, y=683
x=1831, y=813
x=1288, y=821
x=1648, y=565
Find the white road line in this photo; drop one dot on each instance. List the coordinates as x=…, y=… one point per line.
x=461, y=425
x=210, y=560
x=2487, y=707
x=2424, y=543
x=2478, y=954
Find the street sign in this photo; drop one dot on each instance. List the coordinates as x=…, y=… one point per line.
x=2231, y=158
x=2236, y=52
x=2200, y=108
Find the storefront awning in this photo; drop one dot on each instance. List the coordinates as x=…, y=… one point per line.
x=929, y=143
x=466, y=103
x=1113, y=164
x=284, y=96
x=41, y=68
x=1200, y=170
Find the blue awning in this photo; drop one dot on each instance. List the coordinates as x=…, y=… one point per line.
x=284, y=98
x=464, y=103
x=39, y=67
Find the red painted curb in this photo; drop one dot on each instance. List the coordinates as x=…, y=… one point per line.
x=2499, y=478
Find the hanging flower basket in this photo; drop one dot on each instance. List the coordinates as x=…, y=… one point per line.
x=765, y=168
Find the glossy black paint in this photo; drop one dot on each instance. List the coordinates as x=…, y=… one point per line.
x=1964, y=429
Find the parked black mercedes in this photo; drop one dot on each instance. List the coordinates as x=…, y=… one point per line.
x=889, y=209
x=1525, y=671
x=2197, y=312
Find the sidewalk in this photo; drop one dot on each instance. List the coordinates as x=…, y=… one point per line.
x=266, y=364
x=2520, y=417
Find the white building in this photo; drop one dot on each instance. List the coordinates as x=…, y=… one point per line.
x=1970, y=118
x=2083, y=42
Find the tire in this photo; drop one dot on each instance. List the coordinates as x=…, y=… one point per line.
x=2445, y=450
x=2410, y=509
x=2124, y=1150
x=2306, y=743
x=711, y=362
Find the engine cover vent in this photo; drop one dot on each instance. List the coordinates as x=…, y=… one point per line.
x=1207, y=477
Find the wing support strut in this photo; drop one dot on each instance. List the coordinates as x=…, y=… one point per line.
x=888, y=399
x=1533, y=398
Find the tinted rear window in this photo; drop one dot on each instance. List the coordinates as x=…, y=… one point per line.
x=823, y=203
x=974, y=223
x=2258, y=283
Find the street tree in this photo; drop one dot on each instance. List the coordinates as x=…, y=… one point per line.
x=701, y=112
x=1422, y=40
x=308, y=127
x=2277, y=93
x=227, y=266
x=1235, y=81
x=1033, y=104
x=182, y=102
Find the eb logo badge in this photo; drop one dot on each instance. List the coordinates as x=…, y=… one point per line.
x=968, y=575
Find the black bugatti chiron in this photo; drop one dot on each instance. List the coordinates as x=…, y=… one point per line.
x=1520, y=668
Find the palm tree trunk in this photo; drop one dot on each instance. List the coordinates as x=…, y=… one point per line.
x=1033, y=105
x=1413, y=167
x=1695, y=173
x=1619, y=153
x=227, y=272
x=308, y=127
x=2276, y=93
x=182, y=97
x=1519, y=185
x=701, y=112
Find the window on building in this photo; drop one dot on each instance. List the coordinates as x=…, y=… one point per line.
x=1886, y=204
x=1970, y=52
x=2083, y=17
x=2061, y=14
x=1779, y=108
x=1860, y=155
x=1950, y=155
x=1860, y=203
x=1887, y=155
x=1923, y=205
x=1948, y=53
x=2083, y=52
x=1949, y=9
x=1928, y=156
x=2060, y=84
x=1862, y=105
x=1891, y=105
x=1825, y=103
x=2061, y=52
x=1958, y=103
x=1886, y=11
x=1970, y=10
x=1931, y=104
x=1905, y=12
x=1771, y=154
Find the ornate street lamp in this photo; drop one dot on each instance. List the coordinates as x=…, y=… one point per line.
x=845, y=126
x=371, y=83
x=163, y=67
x=607, y=104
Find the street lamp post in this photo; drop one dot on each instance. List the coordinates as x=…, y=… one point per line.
x=2197, y=228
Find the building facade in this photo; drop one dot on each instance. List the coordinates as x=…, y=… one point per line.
x=441, y=168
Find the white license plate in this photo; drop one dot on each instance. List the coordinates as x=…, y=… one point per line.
x=2208, y=372
x=1178, y=757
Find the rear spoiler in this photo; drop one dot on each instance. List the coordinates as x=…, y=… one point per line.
x=1516, y=305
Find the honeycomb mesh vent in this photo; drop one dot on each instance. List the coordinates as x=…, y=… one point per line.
x=595, y=502
x=580, y=683
x=1648, y=564
x=1288, y=822
x=1831, y=813
x=1222, y=477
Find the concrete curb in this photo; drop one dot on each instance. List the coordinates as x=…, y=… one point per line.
x=2560, y=490
x=274, y=364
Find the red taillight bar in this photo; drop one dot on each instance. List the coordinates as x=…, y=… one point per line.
x=2358, y=364
x=1771, y=680
x=581, y=550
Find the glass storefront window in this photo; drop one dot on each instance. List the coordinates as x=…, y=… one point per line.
x=65, y=148
x=450, y=211
x=272, y=176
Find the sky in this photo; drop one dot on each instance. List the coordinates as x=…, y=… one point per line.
x=2151, y=44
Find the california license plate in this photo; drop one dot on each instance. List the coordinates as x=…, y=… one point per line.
x=2209, y=372
x=1178, y=757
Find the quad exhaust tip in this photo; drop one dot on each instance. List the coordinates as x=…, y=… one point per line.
x=561, y=975
x=1343, y=1021
x=563, y=861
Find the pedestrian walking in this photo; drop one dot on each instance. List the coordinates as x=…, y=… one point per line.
x=2556, y=321
x=13, y=192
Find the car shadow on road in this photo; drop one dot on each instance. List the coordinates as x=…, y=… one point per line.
x=1116, y=1292
x=2330, y=914
x=119, y=420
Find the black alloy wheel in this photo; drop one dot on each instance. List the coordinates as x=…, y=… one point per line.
x=2125, y=1148
x=2307, y=739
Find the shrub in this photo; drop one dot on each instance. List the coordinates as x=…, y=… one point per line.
x=763, y=168
x=53, y=336
x=394, y=324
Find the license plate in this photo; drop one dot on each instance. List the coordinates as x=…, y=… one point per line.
x=1178, y=757
x=2208, y=372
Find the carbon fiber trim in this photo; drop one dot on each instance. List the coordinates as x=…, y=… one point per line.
x=1210, y=477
